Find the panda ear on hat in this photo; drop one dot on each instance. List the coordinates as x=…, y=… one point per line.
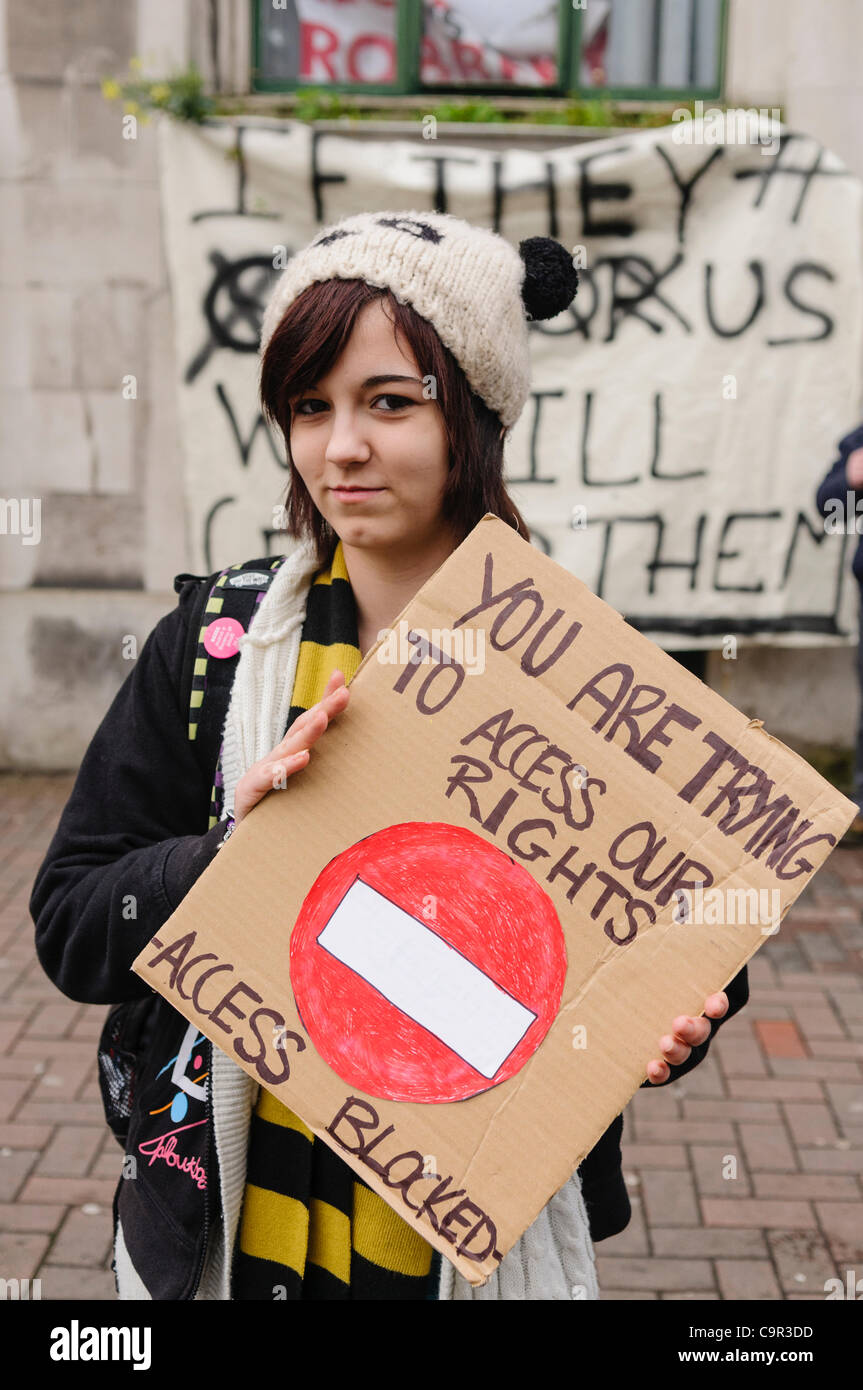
x=550, y=278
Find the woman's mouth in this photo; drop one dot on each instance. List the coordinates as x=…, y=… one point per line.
x=356, y=494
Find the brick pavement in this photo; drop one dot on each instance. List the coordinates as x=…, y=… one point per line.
x=745, y=1177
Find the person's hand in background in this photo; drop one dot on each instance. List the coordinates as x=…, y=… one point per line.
x=854, y=468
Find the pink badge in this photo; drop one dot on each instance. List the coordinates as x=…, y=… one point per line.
x=222, y=637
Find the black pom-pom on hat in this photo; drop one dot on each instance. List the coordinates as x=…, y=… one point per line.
x=550, y=278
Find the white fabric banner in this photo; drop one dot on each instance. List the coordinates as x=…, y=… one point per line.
x=684, y=409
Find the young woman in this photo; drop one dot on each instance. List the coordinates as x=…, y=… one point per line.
x=394, y=360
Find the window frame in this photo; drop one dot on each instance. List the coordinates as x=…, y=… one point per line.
x=655, y=93
x=408, y=31
x=407, y=83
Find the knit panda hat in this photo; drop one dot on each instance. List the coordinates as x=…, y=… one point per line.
x=471, y=284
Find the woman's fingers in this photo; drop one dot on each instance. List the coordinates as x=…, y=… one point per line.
x=266, y=776
x=690, y=1030
x=673, y=1050
x=716, y=1006
x=657, y=1071
x=676, y=1046
x=310, y=725
x=292, y=753
x=673, y=1053
x=687, y=1032
x=334, y=698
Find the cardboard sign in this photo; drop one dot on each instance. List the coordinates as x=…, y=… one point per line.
x=453, y=942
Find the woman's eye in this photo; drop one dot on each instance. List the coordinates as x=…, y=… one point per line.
x=399, y=402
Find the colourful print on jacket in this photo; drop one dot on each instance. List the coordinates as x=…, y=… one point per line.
x=191, y=1091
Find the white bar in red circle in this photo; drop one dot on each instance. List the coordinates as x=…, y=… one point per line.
x=431, y=982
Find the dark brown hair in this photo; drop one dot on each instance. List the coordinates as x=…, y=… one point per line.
x=309, y=340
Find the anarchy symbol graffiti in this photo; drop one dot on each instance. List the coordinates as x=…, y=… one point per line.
x=233, y=307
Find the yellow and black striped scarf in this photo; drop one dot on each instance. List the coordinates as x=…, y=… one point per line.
x=310, y=1228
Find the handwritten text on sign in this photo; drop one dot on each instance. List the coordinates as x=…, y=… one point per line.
x=736, y=795
x=261, y=1039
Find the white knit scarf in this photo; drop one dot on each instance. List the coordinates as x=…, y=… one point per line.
x=554, y=1258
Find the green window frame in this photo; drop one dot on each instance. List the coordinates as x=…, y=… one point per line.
x=407, y=79
x=655, y=91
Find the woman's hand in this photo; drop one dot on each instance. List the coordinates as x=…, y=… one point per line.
x=293, y=752
x=686, y=1033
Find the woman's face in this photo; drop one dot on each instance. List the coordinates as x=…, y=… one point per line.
x=385, y=435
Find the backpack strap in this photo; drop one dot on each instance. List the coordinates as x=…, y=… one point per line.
x=190, y=651
x=235, y=592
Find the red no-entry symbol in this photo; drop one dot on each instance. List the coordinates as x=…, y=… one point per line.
x=426, y=964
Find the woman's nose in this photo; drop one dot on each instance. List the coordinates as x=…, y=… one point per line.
x=347, y=442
